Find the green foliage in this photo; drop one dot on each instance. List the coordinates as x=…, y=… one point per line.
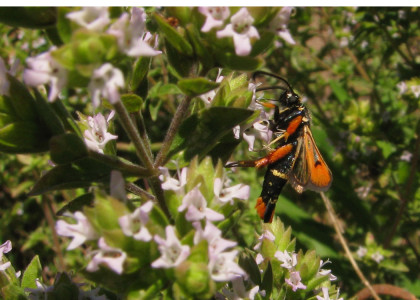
x=356, y=70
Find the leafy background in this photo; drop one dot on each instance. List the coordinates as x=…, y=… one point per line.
x=346, y=63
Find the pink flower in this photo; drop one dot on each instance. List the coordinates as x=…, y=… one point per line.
x=295, y=281
x=215, y=16
x=213, y=235
x=172, y=251
x=92, y=18
x=289, y=262
x=241, y=30
x=131, y=35
x=227, y=194
x=134, y=224
x=112, y=257
x=196, y=206
x=45, y=69
x=105, y=82
x=279, y=24
x=4, y=248
x=97, y=135
x=223, y=267
x=81, y=231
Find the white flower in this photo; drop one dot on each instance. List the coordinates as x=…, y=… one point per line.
x=240, y=292
x=92, y=18
x=105, y=82
x=377, y=256
x=4, y=248
x=224, y=195
x=241, y=30
x=80, y=232
x=279, y=24
x=251, y=132
x=208, y=97
x=97, y=135
x=223, y=267
x=196, y=206
x=131, y=35
x=416, y=90
x=406, y=156
x=213, y=235
x=112, y=257
x=402, y=87
x=326, y=295
x=259, y=129
x=289, y=262
x=45, y=69
x=323, y=272
x=134, y=224
x=266, y=235
x=361, y=251
x=215, y=16
x=169, y=183
x=4, y=82
x=172, y=251
x=40, y=291
x=295, y=281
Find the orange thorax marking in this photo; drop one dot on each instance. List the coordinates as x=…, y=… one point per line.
x=294, y=124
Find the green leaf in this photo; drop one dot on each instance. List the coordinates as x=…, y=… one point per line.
x=66, y=148
x=140, y=71
x=386, y=147
x=200, y=132
x=267, y=282
x=81, y=173
x=339, y=91
x=32, y=272
x=48, y=115
x=200, y=47
x=263, y=43
x=196, y=86
x=13, y=292
x=180, y=64
x=21, y=100
x=243, y=63
x=248, y=264
x=178, y=41
x=77, y=204
x=64, y=24
x=23, y=137
x=132, y=102
x=30, y=17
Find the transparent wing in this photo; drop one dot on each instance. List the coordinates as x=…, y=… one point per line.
x=310, y=170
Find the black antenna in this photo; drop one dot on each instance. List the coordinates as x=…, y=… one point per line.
x=258, y=73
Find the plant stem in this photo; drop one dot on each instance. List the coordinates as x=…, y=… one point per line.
x=173, y=128
x=143, y=153
x=160, y=197
x=343, y=242
x=48, y=212
x=120, y=165
x=136, y=190
x=133, y=134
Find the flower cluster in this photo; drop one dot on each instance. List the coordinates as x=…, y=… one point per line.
x=52, y=67
x=241, y=27
x=141, y=227
x=291, y=271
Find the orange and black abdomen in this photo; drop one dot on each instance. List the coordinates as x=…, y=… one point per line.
x=274, y=180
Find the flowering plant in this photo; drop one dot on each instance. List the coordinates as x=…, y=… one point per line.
x=124, y=119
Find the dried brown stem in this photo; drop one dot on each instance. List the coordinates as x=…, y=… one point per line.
x=386, y=289
x=343, y=243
